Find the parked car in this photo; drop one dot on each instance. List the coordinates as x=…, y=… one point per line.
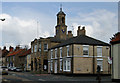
x=9, y=68
x=3, y=70
x=13, y=69
x=18, y=69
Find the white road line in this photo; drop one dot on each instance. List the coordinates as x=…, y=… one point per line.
x=41, y=80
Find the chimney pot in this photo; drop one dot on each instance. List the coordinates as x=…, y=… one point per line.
x=81, y=31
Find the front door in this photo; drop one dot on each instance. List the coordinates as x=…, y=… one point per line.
x=55, y=68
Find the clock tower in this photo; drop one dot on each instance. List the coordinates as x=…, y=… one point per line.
x=61, y=28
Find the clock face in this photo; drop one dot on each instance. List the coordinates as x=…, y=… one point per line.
x=63, y=30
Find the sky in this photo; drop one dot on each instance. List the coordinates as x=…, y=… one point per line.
x=25, y=19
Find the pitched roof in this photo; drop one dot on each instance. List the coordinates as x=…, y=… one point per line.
x=116, y=38
x=14, y=52
x=55, y=39
x=25, y=53
x=82, y=39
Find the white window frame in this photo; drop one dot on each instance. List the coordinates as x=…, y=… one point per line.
x=84, y=48
x=66, y=64
x=51, y=53
x=100, y=53
x=61, y=66
x=51, y=65
x=56, y=53
x=40, y=47
x=35, y=48
x=46, y=47
x=100, y=64
x=31, y=49
x=68, y=50
x=60, y=52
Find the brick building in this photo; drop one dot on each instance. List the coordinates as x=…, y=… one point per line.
x=39, y=47
x=115, y=55
x=79, y=55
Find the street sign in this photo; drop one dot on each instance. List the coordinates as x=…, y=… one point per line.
x=109, y=60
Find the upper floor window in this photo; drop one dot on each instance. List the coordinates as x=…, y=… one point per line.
x=51, y=54
x=45, y=47
x=56, y=53
x=60, y=52
x=99, y=51
x=85, y=50
x=63, y=19
x=68, y=50
x=40, y=47
x=35, y=48
x=31, y=49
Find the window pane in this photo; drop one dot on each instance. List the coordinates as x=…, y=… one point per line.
x=85, y=50
x=99, y=51
x=45, y=47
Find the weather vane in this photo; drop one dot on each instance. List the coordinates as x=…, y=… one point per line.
x=60, y=7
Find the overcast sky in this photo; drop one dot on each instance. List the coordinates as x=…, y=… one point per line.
x=20, y=26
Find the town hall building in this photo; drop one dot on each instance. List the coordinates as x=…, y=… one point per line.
x=66, y=54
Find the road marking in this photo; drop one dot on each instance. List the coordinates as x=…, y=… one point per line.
x=13, y=74
x=41, y=80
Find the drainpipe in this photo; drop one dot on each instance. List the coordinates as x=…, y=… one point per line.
x=93, y=61
x=72, y=59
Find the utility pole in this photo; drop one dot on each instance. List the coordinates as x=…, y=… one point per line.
x=3, y=19
x=37, y=29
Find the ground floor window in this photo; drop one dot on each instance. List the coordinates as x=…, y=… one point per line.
x=100, y=63
x=61, y=65
x=51, y=65
x=67, y=65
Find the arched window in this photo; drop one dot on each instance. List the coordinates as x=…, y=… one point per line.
x=63, y=19
x=57, y=20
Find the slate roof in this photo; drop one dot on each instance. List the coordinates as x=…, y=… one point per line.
x=82, y=39
x=61, y=13
x=25, y=53
x=55, y=39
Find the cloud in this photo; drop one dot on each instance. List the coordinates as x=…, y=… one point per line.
x=17, y=31
x=100, y=24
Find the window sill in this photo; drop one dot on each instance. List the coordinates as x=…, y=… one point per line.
x=99, y=56
x=67, y=70
x=86, y=55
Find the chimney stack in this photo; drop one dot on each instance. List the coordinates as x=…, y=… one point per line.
x=10, y=48
x=4, y=48
x=69, y=34
x=17, y=47
x=81, y=31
